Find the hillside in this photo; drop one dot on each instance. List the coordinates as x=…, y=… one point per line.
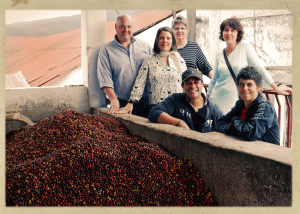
x=48, y=27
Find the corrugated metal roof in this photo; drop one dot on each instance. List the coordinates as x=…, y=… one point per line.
x=43, y=60
x=141, y=21
x=15, y=80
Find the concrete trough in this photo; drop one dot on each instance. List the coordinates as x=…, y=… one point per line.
x=40, y=103
x=239, y=173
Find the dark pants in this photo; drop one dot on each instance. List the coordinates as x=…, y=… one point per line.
x=140, y=108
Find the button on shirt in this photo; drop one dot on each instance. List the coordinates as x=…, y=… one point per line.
x=118, y=66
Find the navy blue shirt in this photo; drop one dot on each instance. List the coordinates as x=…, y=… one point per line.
x=261, y=121
x=177, y=105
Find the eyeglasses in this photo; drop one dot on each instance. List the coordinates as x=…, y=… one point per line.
x=182, y=28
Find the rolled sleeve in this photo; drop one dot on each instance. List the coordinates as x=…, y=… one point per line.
x=154, y=114
x=167, y=106
x=104, y=71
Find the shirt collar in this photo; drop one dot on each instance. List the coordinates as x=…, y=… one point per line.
x=132, y=39
x=203, y=96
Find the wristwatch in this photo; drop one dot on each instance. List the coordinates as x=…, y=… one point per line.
x=131, y=101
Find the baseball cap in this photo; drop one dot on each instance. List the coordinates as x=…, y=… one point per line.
x=191, y=72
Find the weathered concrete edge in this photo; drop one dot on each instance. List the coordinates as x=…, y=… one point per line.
x=261, y=149
x=238, y=173
x=40, y=103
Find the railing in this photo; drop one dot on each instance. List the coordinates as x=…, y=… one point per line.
x=289, y=124
x=287, y=99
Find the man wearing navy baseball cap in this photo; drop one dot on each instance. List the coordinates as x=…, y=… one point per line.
x=191, y=109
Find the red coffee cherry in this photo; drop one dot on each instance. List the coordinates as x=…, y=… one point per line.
x=74, y=159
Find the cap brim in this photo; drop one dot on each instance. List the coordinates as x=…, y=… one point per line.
x=192, y=76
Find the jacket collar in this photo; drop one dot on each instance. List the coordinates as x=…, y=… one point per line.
x=257, y=99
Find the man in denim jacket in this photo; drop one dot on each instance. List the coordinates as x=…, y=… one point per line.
x=253, y=118
x=191, y=109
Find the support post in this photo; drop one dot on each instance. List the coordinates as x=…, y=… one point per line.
x=191, y=17
x=93, y=37
x=174, y=14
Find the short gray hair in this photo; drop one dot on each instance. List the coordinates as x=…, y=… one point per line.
x=121, y=16
x=180, y=19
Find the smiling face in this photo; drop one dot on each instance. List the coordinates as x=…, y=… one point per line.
x=165, y=41
x=124, y=29
x=248, y=91
x=230, y=34
x=180, y=31
x=192, y=87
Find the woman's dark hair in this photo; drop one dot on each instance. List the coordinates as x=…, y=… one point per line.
x=234, y=23
x=250, y=73
x=173, y=47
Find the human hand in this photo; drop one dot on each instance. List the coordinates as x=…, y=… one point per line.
x=114, y=106
x=126, y=109
x=284, y=91
x=182, y=124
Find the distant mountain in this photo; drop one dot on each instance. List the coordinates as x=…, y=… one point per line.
x=44, y=27
x=48, y=27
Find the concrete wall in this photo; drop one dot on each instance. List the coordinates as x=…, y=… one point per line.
x=207, y=33
x=40, y=103
x=239, y=173
x=271, y=34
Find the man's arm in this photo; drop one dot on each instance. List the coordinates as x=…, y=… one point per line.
x=168, y=119
x=138, y=87
x=104, y=75
x=114, y=102
x=161, y=113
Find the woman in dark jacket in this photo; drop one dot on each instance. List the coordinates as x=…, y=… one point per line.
x=252, y=117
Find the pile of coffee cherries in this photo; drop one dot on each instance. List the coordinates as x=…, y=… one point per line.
x=74, y=159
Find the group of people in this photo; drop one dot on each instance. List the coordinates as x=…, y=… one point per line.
x=165, y=83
